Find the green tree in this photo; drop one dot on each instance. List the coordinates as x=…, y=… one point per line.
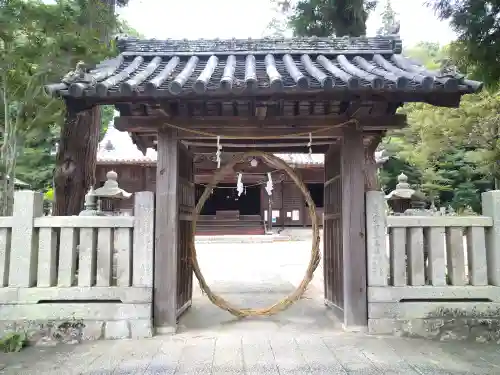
x=328, y=17
x=76, y=157
x=477, y=23
x=38, y=41
x=456, y=150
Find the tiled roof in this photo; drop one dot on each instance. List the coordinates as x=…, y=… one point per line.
x=172, y=68
x=297, y=159
x=117, y=147
x=272, y=45
x=302, y=159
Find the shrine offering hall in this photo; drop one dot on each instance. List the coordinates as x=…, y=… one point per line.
x=197, y=103
x=226, y=211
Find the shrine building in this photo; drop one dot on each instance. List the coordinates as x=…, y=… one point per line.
x=225, y=212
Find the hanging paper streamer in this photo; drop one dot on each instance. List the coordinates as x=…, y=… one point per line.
x=269, y=185
x=239, y=185
x=309, y=144
x=219, y=149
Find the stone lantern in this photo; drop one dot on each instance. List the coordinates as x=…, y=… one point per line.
x=108, y=192
x=404, y=199
x=90, y=205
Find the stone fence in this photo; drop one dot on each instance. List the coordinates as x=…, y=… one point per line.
x=74, y=278
x=434, y=276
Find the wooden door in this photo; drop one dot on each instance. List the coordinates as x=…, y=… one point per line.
x=186, y=199
x=293, y=205
x=276, y=200
x=333, y=262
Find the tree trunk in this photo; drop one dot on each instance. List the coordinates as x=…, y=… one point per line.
x=76, y=159
x=102, y=17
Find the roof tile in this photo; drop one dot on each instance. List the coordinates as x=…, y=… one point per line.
x=172, y=68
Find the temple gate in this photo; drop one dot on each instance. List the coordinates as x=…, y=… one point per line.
x=333, y=96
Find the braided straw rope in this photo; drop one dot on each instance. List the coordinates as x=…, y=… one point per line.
x=300, y=134
x=315, y=254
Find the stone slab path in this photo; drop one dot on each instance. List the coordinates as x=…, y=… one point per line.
x=255, y=353
x=305, y=339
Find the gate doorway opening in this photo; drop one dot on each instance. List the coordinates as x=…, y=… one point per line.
x=257, y=275
x=225, y=198
x=317, y=191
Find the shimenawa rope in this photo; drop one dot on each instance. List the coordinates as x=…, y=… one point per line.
x=280, y=164
x=300, y=134
x=315, y=253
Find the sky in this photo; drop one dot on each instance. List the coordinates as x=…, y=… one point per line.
x=193, y=19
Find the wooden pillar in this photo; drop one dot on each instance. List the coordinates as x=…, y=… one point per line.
x=166, y=233
x=353, y=229
x=370, y=167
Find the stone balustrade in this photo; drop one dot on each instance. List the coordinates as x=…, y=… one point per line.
x=434, y=276
x=77, y=277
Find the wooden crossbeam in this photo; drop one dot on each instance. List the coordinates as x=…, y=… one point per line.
x=317, y=149
x=253, y=127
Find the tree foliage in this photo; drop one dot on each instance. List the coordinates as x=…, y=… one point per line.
x=39, y=42
x=477, y=23
x=76, y=157
x=327, y=17
x=455, y=150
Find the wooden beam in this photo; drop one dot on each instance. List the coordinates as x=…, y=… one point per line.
x=139, y=142
x=166, y=234
x=259, y=133
x=241, y=146
x=353, y=230
x=244, y=144
x=144, y=124
x=317, y=149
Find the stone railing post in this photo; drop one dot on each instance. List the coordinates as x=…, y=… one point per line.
x=376, y=243
x=491, y=208
x=144, y=221
x=24, y=241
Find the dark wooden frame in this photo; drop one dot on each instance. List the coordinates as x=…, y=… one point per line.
x=175, y=198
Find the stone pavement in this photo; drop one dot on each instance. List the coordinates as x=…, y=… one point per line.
x=258, y=353
x=305, y=339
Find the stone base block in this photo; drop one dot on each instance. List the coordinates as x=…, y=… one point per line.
x=354, y=329
x=118, y=329
x=141, y=328
x=74, y=322
x=74, y=331
x=442, y=329
x=166, y=330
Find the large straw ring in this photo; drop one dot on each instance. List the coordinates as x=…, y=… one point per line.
x=315, y=254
